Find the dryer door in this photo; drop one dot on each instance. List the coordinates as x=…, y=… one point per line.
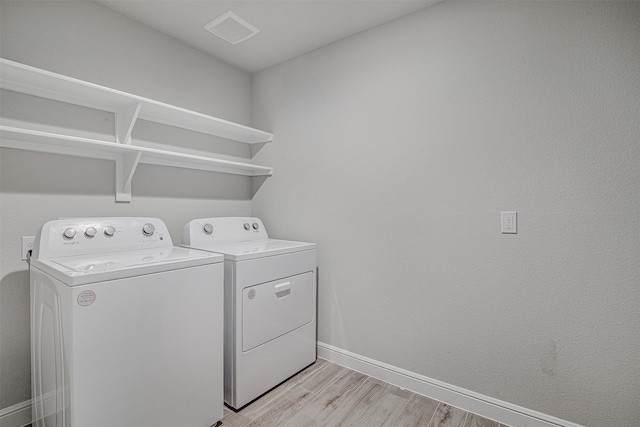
x=272, y=309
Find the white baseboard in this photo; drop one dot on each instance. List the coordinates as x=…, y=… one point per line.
x=488, y=407
x=18, y=415
x=512, y=415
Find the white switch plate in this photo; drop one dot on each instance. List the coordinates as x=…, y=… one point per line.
x=26, y=245
x=509, y=222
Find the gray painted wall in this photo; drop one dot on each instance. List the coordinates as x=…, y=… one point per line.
x=396, y=150
x=90, y=42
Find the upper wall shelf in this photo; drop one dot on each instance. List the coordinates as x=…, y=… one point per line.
x=128, y=109
x=45, y=84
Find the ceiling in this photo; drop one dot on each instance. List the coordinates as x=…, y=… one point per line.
x=288, y=28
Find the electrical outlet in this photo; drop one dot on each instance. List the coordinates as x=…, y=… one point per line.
x=509, y=222
x=26, y=245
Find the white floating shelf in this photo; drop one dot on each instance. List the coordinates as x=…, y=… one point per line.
x=127, y=108
x=45, y=84
x=122, y=154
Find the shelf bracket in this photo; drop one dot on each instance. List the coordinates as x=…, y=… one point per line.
x=125, y=119
x=126, y=165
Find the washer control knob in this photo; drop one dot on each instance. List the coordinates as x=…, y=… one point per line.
x=255, y=226
x=109, y=231
x=207, y=228
x=90, y=232
x=148, y=229
x=69, y=233
x=247, y=226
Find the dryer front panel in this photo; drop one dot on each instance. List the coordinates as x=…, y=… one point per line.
x=272, y=309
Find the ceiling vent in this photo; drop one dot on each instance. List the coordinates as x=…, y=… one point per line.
x=231, y=28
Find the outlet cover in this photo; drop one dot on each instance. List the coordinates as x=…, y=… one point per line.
x=26, y=245
x=509, y=223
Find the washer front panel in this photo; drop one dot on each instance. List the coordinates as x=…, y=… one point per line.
x=131, y=350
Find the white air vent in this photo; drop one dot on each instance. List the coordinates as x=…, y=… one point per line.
x=231, y=28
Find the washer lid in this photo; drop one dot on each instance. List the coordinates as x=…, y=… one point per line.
x=241, y=251
x=84, y=269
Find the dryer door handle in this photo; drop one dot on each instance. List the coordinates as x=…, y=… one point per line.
x=283, y=289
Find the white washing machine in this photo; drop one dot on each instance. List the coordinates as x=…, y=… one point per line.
x=127, y=330
x=270, y=303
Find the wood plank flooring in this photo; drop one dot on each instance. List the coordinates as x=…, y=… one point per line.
x=329, y=395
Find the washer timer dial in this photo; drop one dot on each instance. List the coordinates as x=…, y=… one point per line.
x=148, y=229
x=69, y=233
x=207, y=228
x=90, y=232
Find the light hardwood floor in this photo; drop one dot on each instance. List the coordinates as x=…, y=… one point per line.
x=328, y=395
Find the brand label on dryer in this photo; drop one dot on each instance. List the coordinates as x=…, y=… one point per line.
x=86, y=298
x=251, y=294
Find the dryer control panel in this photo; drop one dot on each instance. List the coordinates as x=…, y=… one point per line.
x=80, y=236
x=225, y=229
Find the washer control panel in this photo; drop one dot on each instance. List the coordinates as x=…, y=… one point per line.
x=208, y=230
x=78, y=236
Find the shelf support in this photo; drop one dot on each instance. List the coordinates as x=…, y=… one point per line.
x=125, y=119
x=126, y=165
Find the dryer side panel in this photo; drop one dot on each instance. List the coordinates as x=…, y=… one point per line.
x=229, y=332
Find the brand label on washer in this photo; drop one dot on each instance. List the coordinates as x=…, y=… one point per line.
x=251, y=294
x=86, y=298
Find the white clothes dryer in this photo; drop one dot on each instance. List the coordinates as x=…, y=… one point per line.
x=270, y=303
x=127, y=330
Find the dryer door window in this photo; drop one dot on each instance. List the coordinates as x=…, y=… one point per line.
x=275, y=308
